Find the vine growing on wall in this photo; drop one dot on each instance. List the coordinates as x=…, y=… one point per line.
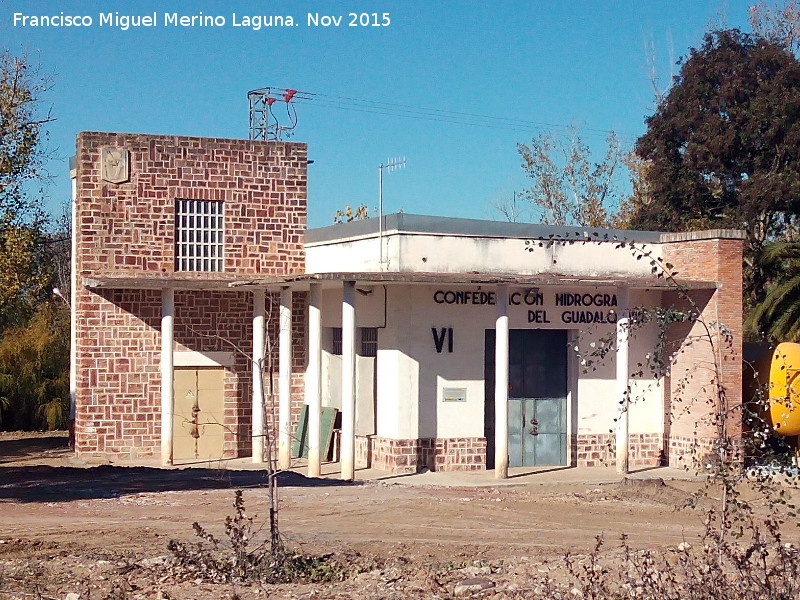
x=727, y=459
x=741, y=552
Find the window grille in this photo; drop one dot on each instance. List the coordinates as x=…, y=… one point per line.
x=369, y=341
x=199, y=235
x=337, y=341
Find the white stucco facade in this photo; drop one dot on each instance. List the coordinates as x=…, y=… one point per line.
x=412, y=374
x=425, y=383
x=515, y=248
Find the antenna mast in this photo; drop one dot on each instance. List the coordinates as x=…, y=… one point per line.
x=392, y=164
x=260, y=127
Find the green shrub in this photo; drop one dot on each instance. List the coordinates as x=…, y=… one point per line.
x=34, y=371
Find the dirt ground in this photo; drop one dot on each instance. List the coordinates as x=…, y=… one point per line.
x=102, y=532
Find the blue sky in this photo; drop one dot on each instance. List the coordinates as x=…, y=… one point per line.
x=543, y=66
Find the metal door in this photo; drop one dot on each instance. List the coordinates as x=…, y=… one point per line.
x=537, y=431
x=198, y=432
x=537, y=403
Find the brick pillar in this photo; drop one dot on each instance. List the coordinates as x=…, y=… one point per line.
x=694, y=421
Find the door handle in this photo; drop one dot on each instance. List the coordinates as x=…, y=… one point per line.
x=534, y=430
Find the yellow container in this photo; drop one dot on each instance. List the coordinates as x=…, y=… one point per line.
x=784, y=389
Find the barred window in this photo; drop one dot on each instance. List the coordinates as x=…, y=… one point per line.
x=199, y=235
x=369, y=341
x=337, y=341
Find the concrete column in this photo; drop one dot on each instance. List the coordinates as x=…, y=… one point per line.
x=348, y=444
x=314, y=379
x=622, y=395
x=501, y=385
x=167, y=374
x=73, y=317
x=258, y=376
x=285, y=381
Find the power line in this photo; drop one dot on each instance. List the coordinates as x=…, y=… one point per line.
x=420, y=117
x=444, y=112
x=511, y=125
x=439, y=115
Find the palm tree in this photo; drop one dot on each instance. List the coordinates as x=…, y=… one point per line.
x=777, y=317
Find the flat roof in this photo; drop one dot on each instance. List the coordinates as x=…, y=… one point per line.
x=422, y=224
x=409, y=223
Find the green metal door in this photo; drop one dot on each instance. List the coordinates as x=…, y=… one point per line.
x=537, y=403
x=537, y=392
x=537, y=431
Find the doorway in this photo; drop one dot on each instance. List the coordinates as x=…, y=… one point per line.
x=197, y=426
x=537, y=402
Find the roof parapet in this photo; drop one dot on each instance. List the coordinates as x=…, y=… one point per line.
x=421, y=224
x=706, y=234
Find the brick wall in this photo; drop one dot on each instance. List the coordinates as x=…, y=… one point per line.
x=599, y=450
x=127, y=230
x=117, y=410
x=693, y=422
x=412, y=455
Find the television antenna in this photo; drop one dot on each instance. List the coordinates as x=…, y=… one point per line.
x=392, y=164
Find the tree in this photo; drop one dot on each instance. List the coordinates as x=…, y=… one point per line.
x=779, y=25
x=25, y=271
x=513, y=208
x=723, y=148
x=777, y=317
x=348, y=215
x=22, y=151
x=34, y=370
x=34, y=329
x=567, y=187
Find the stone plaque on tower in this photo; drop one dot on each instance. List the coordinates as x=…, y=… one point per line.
x=115, y=165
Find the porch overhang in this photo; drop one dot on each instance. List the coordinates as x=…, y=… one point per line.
x=195, y=281
x=301, y=282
